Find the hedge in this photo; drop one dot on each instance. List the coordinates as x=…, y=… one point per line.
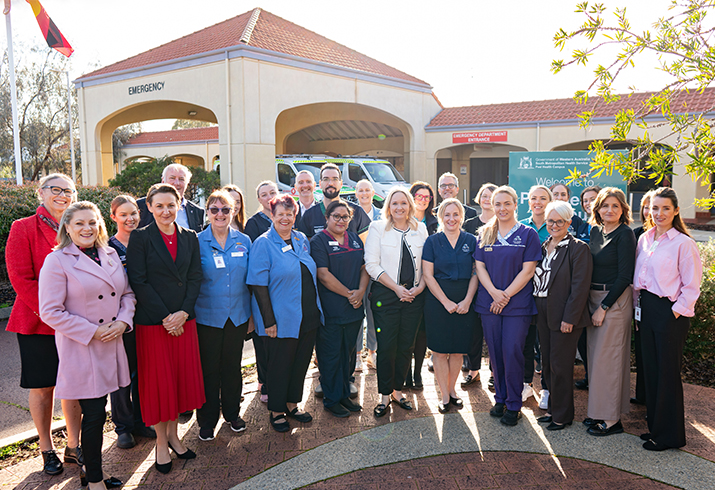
x=700, y=344
x=18, y=202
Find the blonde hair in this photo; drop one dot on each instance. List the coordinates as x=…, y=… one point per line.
x=604, y=194
x=485, y=187
x=411, y=221
x=488, y=233
x=44, y=180
x=223, y=197
x=64, y=239
x=535, y=188
x=647, y=197
x=443, y=209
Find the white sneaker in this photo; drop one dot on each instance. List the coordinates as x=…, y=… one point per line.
x=544, y=402
x=526, y=392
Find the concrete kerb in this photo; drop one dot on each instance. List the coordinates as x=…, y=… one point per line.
x=5, y=313
x=477, y=432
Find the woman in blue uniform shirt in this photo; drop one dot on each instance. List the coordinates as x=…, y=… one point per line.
x=287, y=311
x=452, y=282
x=339, y=257
x=223, y=309
x=506, y=254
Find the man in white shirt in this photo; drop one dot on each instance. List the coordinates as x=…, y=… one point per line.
x=304, y=187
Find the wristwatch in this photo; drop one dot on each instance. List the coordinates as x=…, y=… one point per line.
x=604, y=307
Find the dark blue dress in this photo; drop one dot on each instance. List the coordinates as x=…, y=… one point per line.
x=449, y=333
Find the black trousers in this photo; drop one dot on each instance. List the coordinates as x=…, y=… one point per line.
x=93, y=417
x=419, y=351
x=474, y=356
x=662, y=341
x=583, y=351
x=558, y=353
x=287, y=362
x=261, y=356
x=126, y=410
x=221, y=351
x=532, y=352
x=640, y=380
x=396, y=324
x=335, y=350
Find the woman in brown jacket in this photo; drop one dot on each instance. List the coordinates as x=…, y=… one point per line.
x=561, y=287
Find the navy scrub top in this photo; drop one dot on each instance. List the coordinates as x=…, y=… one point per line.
x=344, y=261
x=313, y=220
x=452, y=264
x=504, y=261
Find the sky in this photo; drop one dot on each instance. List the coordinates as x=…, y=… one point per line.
x=472, y=52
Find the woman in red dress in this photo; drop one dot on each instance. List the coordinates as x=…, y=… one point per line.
x=164, y=269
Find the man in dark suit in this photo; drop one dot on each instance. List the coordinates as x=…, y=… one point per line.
x=189, y=215
x=448, y=187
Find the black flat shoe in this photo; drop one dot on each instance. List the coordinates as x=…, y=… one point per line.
x=555, y=426
x=545, y=419
x=654, y=446
x=188, y=454
x=304, y=417
x=417, y=383
x=601, y=430
x=457, y=402
x=51, y=463
x=645, y=437
x=279, y=426
x=402, y=402
x=110, y=482
x=443, y=407
x=469, y=380
x=337, y=410
x=350, y=405
x=581, y=384
x=589, y=422
x=408, y=382
x=380, y=410
x=163, y=468
x=636, y=401
x=74, y=455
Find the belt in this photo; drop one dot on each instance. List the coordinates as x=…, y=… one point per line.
x=600, y=287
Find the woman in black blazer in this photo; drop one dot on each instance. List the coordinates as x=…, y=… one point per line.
x=561, y=286
x=164, y=269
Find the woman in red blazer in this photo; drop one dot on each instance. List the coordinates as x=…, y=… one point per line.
x=30, y=241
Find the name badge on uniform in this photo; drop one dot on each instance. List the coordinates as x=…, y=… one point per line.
x=638, y=313
x=487, y=249
x=286, y=248
x=333, y=243
x=236, y=254
x=654, y=246
x=218, y=260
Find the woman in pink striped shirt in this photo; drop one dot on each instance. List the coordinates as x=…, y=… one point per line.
x=667, y=285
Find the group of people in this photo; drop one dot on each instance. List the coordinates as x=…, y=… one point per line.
x=156, y=316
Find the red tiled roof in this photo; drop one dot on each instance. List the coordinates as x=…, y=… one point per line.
x=270, y=32
x=175, y=135
x=560, y=109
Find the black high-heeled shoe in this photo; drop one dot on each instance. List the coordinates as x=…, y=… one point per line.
x=188, y=454
x=163, y=468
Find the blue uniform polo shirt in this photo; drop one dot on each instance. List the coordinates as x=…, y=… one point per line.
x=504, y=261
x=223, y=292
x=275, y=264
x=543, y=232
x=344, y=261
x=313, y=221
x=452, y=264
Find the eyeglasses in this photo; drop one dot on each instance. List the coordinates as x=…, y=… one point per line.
x=557, y=223
x=420, y=197
x=448, y=186
x=331, y=180
x=224, y=211
x=341, y=217
x=56, y=190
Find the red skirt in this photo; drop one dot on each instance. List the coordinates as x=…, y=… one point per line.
x=169, y=371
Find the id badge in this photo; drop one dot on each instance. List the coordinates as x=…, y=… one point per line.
x=286, y=248
x=638, y=313
x=236, y=254
x=218, y=260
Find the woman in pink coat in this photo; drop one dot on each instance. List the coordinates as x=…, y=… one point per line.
x=85, y=297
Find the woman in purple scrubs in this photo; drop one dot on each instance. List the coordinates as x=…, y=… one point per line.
x=506, y=256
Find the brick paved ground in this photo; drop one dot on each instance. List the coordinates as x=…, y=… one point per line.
x=490, y=470
x=232, y=458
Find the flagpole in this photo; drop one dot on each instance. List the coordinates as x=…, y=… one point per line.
x=13, y=96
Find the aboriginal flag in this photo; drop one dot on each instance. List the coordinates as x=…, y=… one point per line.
x=52, y=34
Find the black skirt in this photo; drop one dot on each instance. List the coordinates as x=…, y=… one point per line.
x=449, y=333
x=39, y=361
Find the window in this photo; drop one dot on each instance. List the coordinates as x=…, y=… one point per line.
x=355, y=172
x=286, y=175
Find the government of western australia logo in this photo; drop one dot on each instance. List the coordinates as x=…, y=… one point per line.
x=526, y=162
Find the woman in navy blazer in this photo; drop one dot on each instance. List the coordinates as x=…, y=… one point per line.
x=164, y=269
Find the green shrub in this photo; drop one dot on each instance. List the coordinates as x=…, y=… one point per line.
x=138, y=176
x=18, y=202
x=700, y=344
